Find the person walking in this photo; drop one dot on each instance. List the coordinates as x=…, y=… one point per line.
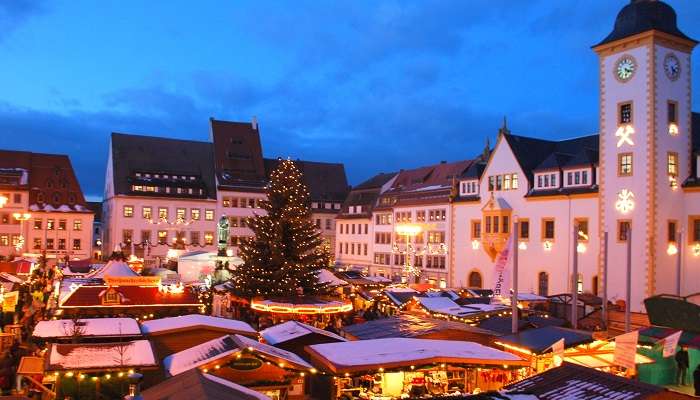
x=682, y=365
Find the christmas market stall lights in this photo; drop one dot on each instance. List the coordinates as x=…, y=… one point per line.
x=403, y=367
x=244, y=361
x=294, y=336
x=72, y=369
x=320, y=311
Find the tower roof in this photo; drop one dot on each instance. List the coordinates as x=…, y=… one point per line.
x=644, y=15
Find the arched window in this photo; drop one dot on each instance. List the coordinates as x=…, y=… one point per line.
x=475, y=280
x=543, y=284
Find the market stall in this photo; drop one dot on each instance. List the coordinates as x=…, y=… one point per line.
x=400, y=367
x=317, y=311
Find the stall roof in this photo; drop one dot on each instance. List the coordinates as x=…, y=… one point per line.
x=502, y=324
x=408, y=326
x=539, y=340
x=364, y=355
x=225, y=346
x=92, y=327
x=290, y=330
x=130, y=296
x=571, y=381
x=195, y=321
x=113, y=268
x=326, y=276
x=195, y=385
x=100, y=356
x=399, y=296
x=690, y=339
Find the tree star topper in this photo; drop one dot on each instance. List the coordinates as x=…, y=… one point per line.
x=625, y=201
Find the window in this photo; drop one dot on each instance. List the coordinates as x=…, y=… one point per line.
x=194, y=213
x=436, y=237
x=672, y=112
x=514, y=181
x=672, y=164
x=547, y=229
x=476, y=229
x=162, y=237
x=364, y=249
x=226, y=202
x=695, y=229
x=491, y=183
x=208, y=215
x=208, y=238
x=194, y=237
x=77, y=225
x=37, y=243
x=128, y=211
x=506, y=224
x=145, y=237
x=672, y=229
x=146, y=212
x=162, y=213
x=435, y=262
x=543, y=283
x=623, y=228
x=582, y=228
x=475, y=280
x=524, y=229
x=624, y=164
x=624, y=113
x=50, y=225
x=17, y=198
x=62, y=224
x=37, y=223
x=76, y=244
x=180, y=214
x=111, y=296
x=127, y=236
x=49, y=243
x=61, y=244
x=487, y=223
x=496, y=224
x=366, y=228
x=383, y=219
x=499, y=182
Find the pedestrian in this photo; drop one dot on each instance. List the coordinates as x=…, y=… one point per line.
x=696, y=379
x=682, y=365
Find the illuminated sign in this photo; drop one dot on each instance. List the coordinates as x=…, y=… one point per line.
x=132, y=280
x=625, y=201
x=245, y=364
x=624, y=133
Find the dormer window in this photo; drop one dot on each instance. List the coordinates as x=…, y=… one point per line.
x=471, y=187
x=111, y=297
x=578, y=177
x=547, y=180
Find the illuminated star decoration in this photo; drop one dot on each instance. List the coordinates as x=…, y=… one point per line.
x=625, y=134
x=625, y=201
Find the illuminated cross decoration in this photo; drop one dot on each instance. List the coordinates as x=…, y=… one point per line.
x=625, y=134
x=625, y=201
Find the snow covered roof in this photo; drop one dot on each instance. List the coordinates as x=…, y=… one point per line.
x=326, y=276
x=100, y=356
x=364, y=355
x=195, y=385
x=195, y=321
x=104, y=327
x=239, y=388
x=291, y=330
x=113, y=268
x=225, y=346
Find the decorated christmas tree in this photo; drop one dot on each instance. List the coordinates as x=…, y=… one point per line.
x=287, y=251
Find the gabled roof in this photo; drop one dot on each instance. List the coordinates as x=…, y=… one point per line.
x=376, y=181
x=100, y=356
x=144, y=296
x=644, y=15
x=150, y=154
x=195, y=322
x=91, y=327
x=531, y=152
x=325, y=181
x=112, y=268
x=570, y=381
x=50, y=179
x=195, y=385
x=291, y=330
x=237, y=154
x=407, y=325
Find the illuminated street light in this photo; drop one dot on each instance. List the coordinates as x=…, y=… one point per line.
x=3, y=201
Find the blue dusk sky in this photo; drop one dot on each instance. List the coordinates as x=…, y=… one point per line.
x=376, y=85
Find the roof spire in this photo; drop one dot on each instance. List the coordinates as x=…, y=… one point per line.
x=504, y=129
x=487, y=150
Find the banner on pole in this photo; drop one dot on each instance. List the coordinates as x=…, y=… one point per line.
x=626, y=350
x=671, y=343
x=501, y=276
x=558, y=350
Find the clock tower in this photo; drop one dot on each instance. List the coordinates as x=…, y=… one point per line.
x=645, y=146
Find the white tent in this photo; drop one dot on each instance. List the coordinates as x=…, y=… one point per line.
x=194, y=266
x=113, y=268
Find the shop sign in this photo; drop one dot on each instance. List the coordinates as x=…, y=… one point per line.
x=245, y=364
x=10, y=300
x=132, y=280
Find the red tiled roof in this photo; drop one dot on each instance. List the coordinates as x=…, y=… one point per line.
x=89, y=296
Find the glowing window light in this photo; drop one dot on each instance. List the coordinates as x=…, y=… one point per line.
x=625, y=201
x=696, y=249
x=624, y=133
x=547, y=245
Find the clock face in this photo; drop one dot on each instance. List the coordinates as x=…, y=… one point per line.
x=625, y=67
x=672, y=66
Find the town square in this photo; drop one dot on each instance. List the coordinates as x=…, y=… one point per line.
x=494, y=200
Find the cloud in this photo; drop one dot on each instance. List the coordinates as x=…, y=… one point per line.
x=15, y=12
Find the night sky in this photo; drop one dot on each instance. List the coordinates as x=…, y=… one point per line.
x=377, y=85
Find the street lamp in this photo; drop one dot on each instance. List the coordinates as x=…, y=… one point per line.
x=21, y=217
x=408, y=230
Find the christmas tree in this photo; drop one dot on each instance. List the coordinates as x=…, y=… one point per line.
x=287, y=252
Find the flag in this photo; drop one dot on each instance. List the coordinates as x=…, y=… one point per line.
x=671, y=343
x=626, y=350
x=558, y=352
x=501, y=276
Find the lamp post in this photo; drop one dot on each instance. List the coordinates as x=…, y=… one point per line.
x=407, y=231
x=21, y=217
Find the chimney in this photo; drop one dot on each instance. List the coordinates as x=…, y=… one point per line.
x=254, y=123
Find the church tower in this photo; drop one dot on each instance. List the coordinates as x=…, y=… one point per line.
x=645, y=146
